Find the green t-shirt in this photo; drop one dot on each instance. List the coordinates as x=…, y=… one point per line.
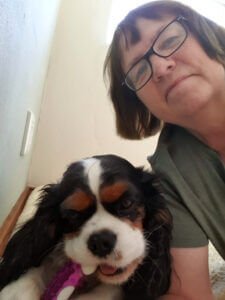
x=193, y=181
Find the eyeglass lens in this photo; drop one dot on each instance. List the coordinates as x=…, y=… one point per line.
x=168, y=41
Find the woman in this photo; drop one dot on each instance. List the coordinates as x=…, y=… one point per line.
x=166, y=66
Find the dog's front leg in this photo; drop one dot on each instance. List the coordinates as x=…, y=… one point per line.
x=102, y=292
x=28, y=287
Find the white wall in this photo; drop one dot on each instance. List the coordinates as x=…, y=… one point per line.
x=26, y=31
x=77, y=119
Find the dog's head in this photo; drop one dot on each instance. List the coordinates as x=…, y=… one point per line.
x=110, y=218
x=104, y=217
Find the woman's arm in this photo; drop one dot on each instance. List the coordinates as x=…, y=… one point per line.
x=190, y=276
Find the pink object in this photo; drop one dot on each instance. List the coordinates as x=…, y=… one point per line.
x=69, y=276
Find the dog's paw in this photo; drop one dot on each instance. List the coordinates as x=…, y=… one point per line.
x=25, y=288
x=20, y=290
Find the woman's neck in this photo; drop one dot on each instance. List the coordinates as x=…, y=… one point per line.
x=213, y=136
x=215, y=140
x=210, y=128
x=208, y=124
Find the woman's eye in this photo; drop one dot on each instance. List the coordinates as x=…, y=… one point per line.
x=140, y=72
x=170, y=42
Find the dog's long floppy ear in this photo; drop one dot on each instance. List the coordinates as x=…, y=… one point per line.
x=152, y=278
x=34, y=240
x=158, y=228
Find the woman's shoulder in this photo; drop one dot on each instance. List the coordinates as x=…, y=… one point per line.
x=179, y=147
x=173, y=136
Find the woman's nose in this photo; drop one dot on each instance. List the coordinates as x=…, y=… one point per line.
x=161, y=66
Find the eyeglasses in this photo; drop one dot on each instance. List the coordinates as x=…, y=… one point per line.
x=168, y=41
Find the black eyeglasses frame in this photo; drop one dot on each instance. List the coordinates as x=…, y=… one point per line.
x=151, y=51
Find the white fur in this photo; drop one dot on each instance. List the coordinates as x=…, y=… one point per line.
x=27, y=287
x=93, y=171
x=130, y=241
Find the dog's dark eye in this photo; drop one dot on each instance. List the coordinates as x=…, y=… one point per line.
x=70, y=219
x=70, y=214
x=73, y=220
x=126, y=203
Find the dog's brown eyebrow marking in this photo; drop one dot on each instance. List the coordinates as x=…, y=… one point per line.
x=78, y=201
x=113, y=192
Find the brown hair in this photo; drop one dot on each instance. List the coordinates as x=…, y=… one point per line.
x=133, y=119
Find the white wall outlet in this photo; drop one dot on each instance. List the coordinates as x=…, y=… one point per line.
x=28, y=133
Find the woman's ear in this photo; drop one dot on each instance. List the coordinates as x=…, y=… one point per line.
x=34, y=240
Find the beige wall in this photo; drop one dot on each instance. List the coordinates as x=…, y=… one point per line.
x=76, y=117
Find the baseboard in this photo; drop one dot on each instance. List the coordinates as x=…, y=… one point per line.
x=7, y=228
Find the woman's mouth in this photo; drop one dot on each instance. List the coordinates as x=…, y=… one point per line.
x=175, y=84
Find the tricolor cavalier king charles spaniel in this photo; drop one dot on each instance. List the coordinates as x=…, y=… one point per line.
x=106, y=215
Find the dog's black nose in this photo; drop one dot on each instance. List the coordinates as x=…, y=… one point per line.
x=102, y=243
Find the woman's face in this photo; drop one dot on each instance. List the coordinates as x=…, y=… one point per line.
x=182, y=85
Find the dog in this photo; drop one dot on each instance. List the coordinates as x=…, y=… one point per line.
x=108, y=216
